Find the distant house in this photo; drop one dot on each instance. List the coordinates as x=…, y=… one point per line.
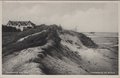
x=22, y=25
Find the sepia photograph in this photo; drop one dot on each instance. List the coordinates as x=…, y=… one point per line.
x=60, y=38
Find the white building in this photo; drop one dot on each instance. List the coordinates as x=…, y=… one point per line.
x=21, y=24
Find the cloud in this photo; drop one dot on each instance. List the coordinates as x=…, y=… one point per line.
x=86, y=17
x=97, y=20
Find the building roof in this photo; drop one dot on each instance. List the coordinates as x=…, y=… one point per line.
x=21, y=23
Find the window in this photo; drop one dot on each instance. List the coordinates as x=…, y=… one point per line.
x=18, y=25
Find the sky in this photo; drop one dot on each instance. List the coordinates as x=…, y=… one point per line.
x=79, y=16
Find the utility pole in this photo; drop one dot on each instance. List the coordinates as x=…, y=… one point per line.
x=76, y=28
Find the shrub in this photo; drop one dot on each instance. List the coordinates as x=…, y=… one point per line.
x=9, y=29
x=87, y=41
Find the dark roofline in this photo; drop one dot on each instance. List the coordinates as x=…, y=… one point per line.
x=21, y=22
